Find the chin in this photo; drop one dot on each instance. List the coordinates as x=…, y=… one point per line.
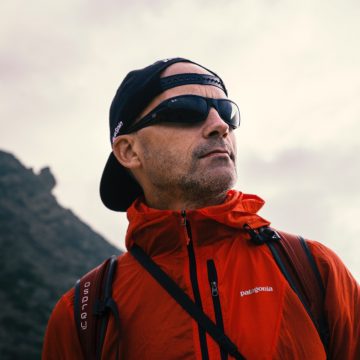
x=202, y=182
x=218, y=182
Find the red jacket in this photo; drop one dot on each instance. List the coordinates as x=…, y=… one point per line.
x=260, y=312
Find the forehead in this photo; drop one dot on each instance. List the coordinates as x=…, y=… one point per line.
x=190, y=89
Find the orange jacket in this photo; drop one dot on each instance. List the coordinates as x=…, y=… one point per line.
x=260, y=312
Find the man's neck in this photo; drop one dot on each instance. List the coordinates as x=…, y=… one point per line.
x=173, y=202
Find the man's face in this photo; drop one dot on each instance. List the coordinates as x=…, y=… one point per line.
x=189, y=161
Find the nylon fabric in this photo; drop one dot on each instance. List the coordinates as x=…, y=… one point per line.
x=261, y=313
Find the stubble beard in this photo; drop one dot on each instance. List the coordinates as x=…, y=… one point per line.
x=208, y=186
x=196, y=186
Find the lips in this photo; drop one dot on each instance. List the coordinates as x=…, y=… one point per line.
x=216, y=152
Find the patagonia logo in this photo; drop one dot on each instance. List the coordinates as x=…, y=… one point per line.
x=256, y=290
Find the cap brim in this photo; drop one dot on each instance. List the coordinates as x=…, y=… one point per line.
x=117, y=188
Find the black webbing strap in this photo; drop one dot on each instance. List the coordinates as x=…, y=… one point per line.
x=322, y=320
x=185, y=301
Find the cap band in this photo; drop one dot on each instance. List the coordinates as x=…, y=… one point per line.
x=184, y=79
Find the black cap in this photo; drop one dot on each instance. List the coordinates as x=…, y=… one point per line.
x=118, y=189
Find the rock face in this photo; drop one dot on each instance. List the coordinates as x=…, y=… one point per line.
x=44, y=248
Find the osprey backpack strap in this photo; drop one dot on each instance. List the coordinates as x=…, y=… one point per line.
x=92, y=305
x=298, y=266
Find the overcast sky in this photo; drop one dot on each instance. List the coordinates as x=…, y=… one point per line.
x=292, y=66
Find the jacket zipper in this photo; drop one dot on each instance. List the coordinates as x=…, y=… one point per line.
x=213, y=281
x=195, y=284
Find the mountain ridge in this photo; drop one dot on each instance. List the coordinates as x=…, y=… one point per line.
x=44, y=249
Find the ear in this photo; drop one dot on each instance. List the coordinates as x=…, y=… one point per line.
x=124, y=149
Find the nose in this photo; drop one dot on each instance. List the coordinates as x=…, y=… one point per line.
x=215, y=126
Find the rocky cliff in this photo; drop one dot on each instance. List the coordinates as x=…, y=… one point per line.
x=44, y=248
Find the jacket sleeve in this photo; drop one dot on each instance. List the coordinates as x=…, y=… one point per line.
x=61, y=339
x=342, y=303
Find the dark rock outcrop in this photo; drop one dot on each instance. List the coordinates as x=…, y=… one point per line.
x=44, y=248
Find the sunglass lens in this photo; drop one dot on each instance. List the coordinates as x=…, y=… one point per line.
x=229, y=112
x=187, y=109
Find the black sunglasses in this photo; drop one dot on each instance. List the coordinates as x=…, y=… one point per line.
x=188, y=109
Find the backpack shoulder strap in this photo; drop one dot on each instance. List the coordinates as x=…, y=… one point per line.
x=92, y=304
x=298, y=265
x=304, y=269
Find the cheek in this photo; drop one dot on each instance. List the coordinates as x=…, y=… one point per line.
x=177, y=142
x=166, y=146
x=181, y=150
x=233, y=142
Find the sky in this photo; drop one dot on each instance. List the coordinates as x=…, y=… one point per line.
x=293, y=67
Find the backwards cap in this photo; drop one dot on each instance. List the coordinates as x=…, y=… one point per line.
x=118, y=189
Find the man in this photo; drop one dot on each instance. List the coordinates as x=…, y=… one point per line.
x=172, y=169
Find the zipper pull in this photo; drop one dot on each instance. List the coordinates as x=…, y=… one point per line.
x=214, y=289
x=183, y=215
x=213, y=280
x=186, y=227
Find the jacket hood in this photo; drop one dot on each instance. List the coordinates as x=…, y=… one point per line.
x=163, y=230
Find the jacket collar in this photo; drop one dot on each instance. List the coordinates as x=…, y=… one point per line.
x=162, y=231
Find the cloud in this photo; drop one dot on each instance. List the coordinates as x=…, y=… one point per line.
x=292, y=66
x=314, y=193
